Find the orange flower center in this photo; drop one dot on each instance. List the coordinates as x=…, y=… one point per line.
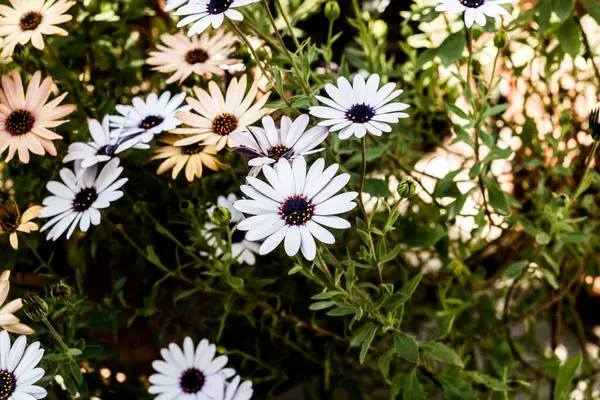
x=30, y=20
x=19, y=122
x=196, y=56
x=224, y=124
x=192, y=149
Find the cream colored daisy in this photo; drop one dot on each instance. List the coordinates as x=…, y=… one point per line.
x=205, y=55
x=11, y=221
x=217, y=117
x=8, y=321
x=25, y=116
x=193, y=157
x=28, y=20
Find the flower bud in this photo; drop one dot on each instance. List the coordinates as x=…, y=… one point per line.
x=379, y=29
x=332, y=10
x=457, y=268
x=595, y=124
x=60, y=291
x=35, y=307
x=221, y=216
x=500, y=39
x=407, y=188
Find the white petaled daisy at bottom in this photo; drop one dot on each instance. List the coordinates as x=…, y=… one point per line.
x=295, y=205
x=237, y=390
x=139, y=122
x=475, y=10
x=190, y=373
x=78, y=199
x=360, y=108
x=241, y=249
x=202, y=13
x=18, y=369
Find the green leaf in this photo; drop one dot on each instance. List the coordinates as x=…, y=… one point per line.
x=295, y=270
x=566, y=373
x=360, y=334
x=456, y=389
x=495, y=110
x=377, y=187
x=321, y=305
x=452, y=48
x=341, y=311
x=529, y=132
x=563, y=8
x=384, y=362
x=406, y=347
x=326, y=295
x=76, y=372
x=75, y=352
x=458, y=111
x=404, y=294
x=488, y=381
x=569, y=37
x=543, y=238
x=445, y=327
x=425, y=236
x=446, y=187
x=497, y=197
x=373, y=153
x=367, y=343
x=497, y=153
x=514, y=270
x=441, y=352
x=413, y=390
x=573, y=237
x=350, y=277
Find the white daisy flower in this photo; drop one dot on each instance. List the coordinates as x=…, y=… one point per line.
x=139, y=122
x=294, y=205
x=237, y=391
x=203, y=13
x=173, y=4
x=190, y=373
x=268, y=145
x=475, y=10
x=80, y=196
x=360, y=108
x=18, y=371
x=102, y=149
x=243, y=250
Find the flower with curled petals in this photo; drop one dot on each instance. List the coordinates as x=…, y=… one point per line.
x=8, y=321
x=11, y=221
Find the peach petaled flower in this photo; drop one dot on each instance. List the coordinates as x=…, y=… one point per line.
x=204, y=55
x=25, y=117
x=8, y=321
x=12, y=221
x=217, y=116
x=29, y=20
x=193, y=157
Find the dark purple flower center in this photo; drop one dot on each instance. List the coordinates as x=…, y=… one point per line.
x=29, y=21
x=8, y=383
x=84, y=199
x=195, y=56
x=19, y=122
x=151, y=121
x=360, y=113
x=108, y=150
x=192, y=380
x=296, y=210
x=218, y=6
x=472, y=3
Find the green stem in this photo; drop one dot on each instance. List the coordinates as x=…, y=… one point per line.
x=470, y=61
x=287, y=23
x=362, y=180
x=37, y=255
x=58, y=338
x=588, y=166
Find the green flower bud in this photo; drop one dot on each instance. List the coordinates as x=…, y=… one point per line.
x=595, y=124
x=379, y=29
x=221, y=216
x=457, y=268
x=500, y=39
x=407, y=188
x=332, y=10
x=60, y=291
x=35, y=307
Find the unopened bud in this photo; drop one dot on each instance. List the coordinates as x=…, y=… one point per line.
x=60, y=291
x=332, y=10
x=407, y=188
x=379, y=29
x=221, y=216
x=595, y=124
x=500, y=39
x=35, y=307
x=457, y=268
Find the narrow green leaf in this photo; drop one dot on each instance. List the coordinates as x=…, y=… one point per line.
x=441, y=352
x=367, y=343
x=321, y=305
x=566, y=373
x=514, y=270
x=406, y=347
x=413, y=390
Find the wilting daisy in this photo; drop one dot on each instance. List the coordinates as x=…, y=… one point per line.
x=294, y=205
x=8, y=321
x=266, y=146
x=25, y=116
x=205, y=55
x=475, y=10
x=242, y=250
x=11, y=221
x=29, y=20
x=237, y=391
x=139, y=122
x=18, y=369
x=203, y=13
x=193, y=157
x=360, y=108
x=78, y=199
x=218, y=117
x=189, y=373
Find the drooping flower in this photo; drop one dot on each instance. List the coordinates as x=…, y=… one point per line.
x=8, y=321
x=11, y=220
x=193, y=157
x=294, y=205
x=241, y=249
x=25, y=116
x=202, y=13
x=189, y=373
x=360, y=108
x=78, y=199
x=205, y=55
x=267, y=145
x=237, y=391
x=218, y=117
x=475, y=10
x=19, y=370
x=139, y=122
x=29, y=20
